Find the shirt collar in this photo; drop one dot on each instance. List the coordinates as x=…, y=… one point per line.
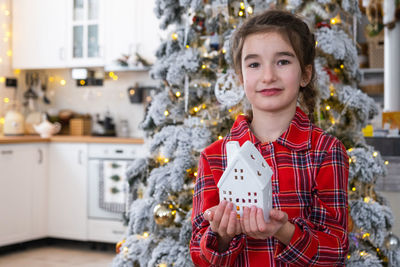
x=297, y=137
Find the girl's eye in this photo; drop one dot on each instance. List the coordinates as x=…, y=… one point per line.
x=283, y=62
x=254, y=65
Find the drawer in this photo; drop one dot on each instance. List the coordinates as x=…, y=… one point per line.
x=106, y=230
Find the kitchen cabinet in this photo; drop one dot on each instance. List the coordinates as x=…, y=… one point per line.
x=130, y=26
x=39, y=34
x=85, y=47
x=81, y=33
x=22, y=193
x=68, y=191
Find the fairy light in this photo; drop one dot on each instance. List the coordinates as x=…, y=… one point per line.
x=173, y=212
x=203, y=66
x=162, y=265
x=375, y=154
x=250, y=10
x=242, y=5
x=145, y=235
x=115, y=77
x=328, y=107
x=17, y=71
x=230, y=110
x=63, y=82
x=178, y=94
x=341, y=66
x=353, y=189
x=202, y=121
x=362, y=253
x=166, y=113
x=51, y=79
x=220, y=137
x=223, y=51
x=348, y=256
x=367, y=199
x=6, y=100
x=195, y=174
x=333, y=21
x=241, y=13
x=351, y=149
x=111, y=74
x=7, y=12
x=365, y=235
x=2, y=79
x=2, y=120
x=166, y=160
x=174, y=36
x=386, y=162
x=204, y=106
x=195, y=109
x=9, y=53
x=82, y=82
x=132, y=91
x=316, y=43
x=187, y=46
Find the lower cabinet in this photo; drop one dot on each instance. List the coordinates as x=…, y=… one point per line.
x=22, y=192
x=67, y=213
x=105, y=230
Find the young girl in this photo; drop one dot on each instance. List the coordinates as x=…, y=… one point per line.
x=273, y=56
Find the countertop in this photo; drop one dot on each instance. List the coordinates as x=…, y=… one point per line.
x=69, y=139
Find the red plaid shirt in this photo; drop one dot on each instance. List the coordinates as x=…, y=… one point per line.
x=309, y=183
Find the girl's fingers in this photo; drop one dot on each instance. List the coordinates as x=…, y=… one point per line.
x=238, y=227
x=218, y=214
x=253, y=220
x=231, y=229
x=223, y=225
x=245, y=221
x=261, y=225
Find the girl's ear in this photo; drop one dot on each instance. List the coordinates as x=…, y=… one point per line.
x=306, y=76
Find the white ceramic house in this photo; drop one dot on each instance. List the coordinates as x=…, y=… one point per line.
x=247, y=179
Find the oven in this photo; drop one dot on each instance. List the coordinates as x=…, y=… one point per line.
x=107, y=183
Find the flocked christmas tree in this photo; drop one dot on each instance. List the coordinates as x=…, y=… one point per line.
x=197, y=102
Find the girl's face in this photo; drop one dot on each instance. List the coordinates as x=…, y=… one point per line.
x=271, y=73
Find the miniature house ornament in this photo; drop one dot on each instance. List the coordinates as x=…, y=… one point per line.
x=246, y=181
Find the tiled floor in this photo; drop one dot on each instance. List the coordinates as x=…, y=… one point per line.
x=59, y=254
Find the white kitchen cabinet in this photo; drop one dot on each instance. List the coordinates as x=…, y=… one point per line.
x=130, y=26
x=39, y=34
x=68, y=191
x=22, y=195
x=85, y=31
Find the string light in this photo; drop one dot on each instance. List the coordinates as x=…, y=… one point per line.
x=111, y=74
x=2, y=120
x=195, y=174
x=328, y=107
x=178, y=94
x=145, y=235
x=204, y=106
x=242, y=5
x=162, y=265
x=375, y=154
x=166, y=113
x=174, y=36
x=223, y=51
x=220, y=137
x=241, y=13
x=367, y=199
x=195, y=109
x=82, y=82
x=63, y=82
x=365, y=235
x=115, y=77
x=203, y=66
x=316, y=43
x=9, y=53
x=341, y=66
x=386, y=162
x=351, y=149
x=51, y=79
x=353, y=189
x=250, y=10
x=166, y=160
x=132, y=91
x=187, y=46
x=2, y=79
x=6, y=100
x=17, y=71
x=333, y=21
x=362, y=253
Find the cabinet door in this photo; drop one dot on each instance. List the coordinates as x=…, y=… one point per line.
x=15, y=193
x=85, y=33
x=39, y=190
x=130, y=26
x=68, y=191
x=39, y=34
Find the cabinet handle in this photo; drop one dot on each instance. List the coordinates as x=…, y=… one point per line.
x=40, y=156
x=61, y=52
x=6, y=152
x=80, y=157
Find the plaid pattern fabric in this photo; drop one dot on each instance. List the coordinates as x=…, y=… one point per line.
x=309, y=183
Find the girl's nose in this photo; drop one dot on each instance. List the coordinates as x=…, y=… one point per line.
x=269, y=74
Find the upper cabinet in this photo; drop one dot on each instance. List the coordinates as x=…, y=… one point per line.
x=39, y=34
x=82, y=33
x=85, y=33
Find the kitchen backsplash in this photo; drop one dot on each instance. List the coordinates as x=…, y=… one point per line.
x=63, y=93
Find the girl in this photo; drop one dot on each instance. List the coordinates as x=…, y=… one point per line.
x=273, y=56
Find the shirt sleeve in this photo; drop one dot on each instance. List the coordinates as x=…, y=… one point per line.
x=321, y=239
x=204, y=242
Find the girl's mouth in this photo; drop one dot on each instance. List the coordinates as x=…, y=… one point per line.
x=270, y=91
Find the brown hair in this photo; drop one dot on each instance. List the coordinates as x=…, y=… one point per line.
x=296, y=31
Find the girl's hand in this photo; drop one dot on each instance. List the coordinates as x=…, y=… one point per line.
x=254, y=225
x=224, y=222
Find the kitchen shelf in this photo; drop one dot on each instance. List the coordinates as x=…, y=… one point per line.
x=122, y=69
